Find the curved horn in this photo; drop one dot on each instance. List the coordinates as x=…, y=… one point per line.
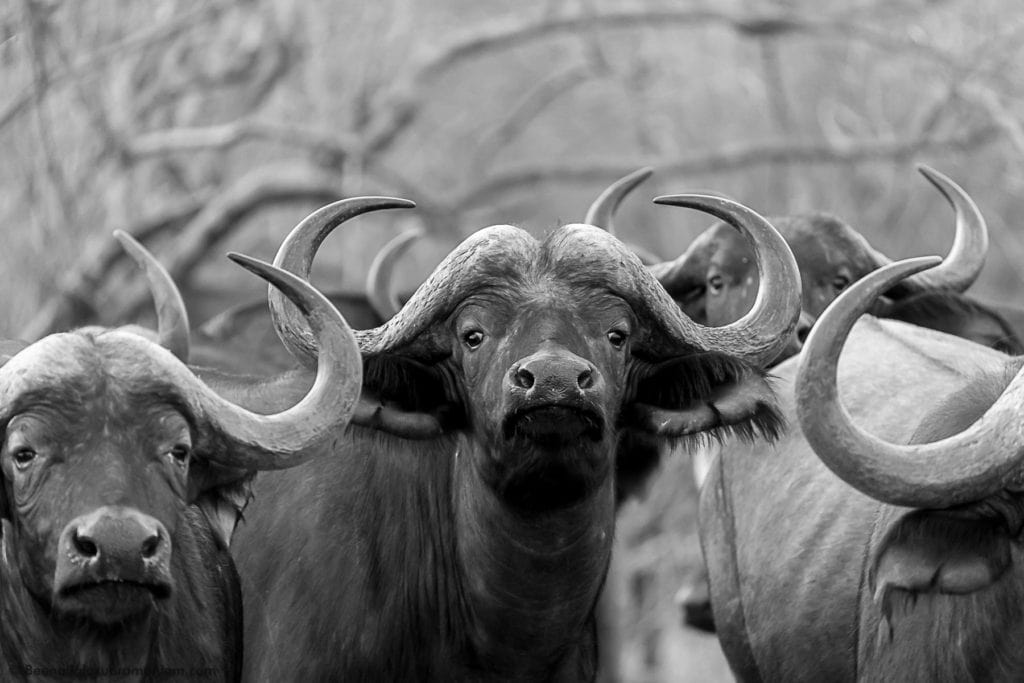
x=296, y=256
x=961, y=468
x=380, y=278
x=282, y=440
x=764, y=331
x=171, y=316
x=962, y=265
x=602, y=212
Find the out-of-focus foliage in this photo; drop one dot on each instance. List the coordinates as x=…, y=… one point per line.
x=119, y=113
x=204, y=125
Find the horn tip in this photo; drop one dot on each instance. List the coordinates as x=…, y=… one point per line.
x=898, y=270
x=691, y=200
x=126, y=240
x=931, y=174
x=399, y=203
x=254, y=265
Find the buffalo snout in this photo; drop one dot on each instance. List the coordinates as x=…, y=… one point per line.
x=556, y=397
x=112, y=563
x=554, y=377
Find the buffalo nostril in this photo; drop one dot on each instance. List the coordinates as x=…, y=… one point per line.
x=523, y=378
x=150, y=546
x=85, y=546
x=586, y=379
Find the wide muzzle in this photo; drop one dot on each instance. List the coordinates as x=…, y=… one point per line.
x=112, y=563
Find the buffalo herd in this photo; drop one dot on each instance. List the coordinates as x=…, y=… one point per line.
x=448, y=463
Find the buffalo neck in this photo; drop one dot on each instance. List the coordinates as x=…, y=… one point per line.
x=531, y=579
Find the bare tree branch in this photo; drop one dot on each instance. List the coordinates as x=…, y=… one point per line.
x=726, y=159
x=208, y=221
x=400, y=106
x=145, y=38
x=225, y=136
x=1000, y=114
x=269, y=185
x=34, y=30
x=524, y=112
x=74, y=304
x=113, y=144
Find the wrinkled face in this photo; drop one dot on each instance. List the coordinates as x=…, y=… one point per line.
x=544, y=381
x=95, y=461
x=827, y=251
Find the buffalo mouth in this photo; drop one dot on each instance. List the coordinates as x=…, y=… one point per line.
x=554, y=425
x=111, y=601
x=551, y=461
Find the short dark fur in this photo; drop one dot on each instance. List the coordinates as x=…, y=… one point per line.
x=477, y=555
x=195, y=623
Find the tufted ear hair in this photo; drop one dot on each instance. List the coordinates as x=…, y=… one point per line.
x=690, y=402
x=221, y=494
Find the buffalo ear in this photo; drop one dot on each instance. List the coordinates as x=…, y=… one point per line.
x=222, y=495
x=930, y=551
x=408, y=384
x=686, y=401
x=704, y=395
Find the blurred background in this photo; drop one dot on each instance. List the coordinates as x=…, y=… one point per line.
x=207, y=125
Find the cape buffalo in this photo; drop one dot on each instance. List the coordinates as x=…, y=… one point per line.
x=715, y=282
x=461, y=527
x=895, y=556
x=118, y=479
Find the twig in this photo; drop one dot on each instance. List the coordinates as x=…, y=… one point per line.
x=780, y=152
x=34, y=30
x=778, y=104
x=265, y=186
x=524, y=112
x=145, y=38
x=400, y=106
x=227, y=135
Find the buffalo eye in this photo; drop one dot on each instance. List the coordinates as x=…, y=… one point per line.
x=473, y=338
x=23, y=457
x=715, y=284
x=617, y=338
x=840, y=283
x=179, y=453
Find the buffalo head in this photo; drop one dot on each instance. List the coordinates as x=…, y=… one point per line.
x=546, y=351
x=715, y=280
x=108, y=437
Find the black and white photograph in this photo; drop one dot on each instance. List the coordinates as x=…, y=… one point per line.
x=569, y=341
